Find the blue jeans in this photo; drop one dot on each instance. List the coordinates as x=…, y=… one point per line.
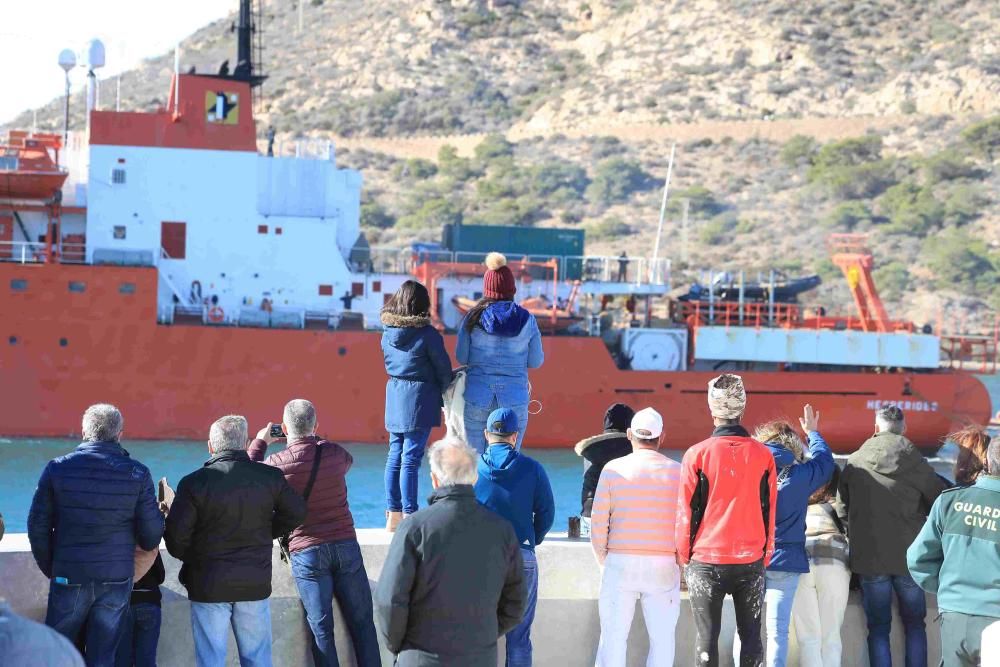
x=402, y=469
x=335, y=569
x=251, y=622
x=779, y=595
x=519, y=639
x=877, y=598
x=137, y=647
x=475, y=423
x=91, y=615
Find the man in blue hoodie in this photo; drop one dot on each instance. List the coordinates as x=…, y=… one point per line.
x=516, y=487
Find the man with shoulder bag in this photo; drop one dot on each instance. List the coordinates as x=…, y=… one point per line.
x=324, y=552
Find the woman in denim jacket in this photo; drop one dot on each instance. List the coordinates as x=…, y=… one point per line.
x=499, y=341
x=419, y=371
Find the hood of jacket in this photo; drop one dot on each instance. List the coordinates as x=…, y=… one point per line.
x=500, y=460
x=504, y=318
x=782, y=457
x=403, y=331
x=618, y=418
x=888, y=454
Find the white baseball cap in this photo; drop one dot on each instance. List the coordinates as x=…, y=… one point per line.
x=647, y=424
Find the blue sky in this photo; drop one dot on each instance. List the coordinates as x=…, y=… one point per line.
x=33, y=32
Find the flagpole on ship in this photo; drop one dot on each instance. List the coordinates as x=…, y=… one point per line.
x=663, y=213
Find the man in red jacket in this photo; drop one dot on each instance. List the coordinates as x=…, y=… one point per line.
x=326, y=557
x=725, y=525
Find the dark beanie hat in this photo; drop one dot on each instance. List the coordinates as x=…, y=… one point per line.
x=498, y=281
x=618, y=417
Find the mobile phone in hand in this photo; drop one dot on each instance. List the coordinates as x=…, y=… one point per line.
x=276, y=431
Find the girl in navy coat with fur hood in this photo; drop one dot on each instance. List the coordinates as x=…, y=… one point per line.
x=419, y=371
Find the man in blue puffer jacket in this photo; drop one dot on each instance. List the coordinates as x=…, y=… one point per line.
x=516, y=487
x=90, y=510
x=798, y=479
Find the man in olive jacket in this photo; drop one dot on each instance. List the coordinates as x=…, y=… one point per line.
x=888, y=488
x=453, y=580
x=957, y=557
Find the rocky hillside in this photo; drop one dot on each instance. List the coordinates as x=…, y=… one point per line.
x=796, y=118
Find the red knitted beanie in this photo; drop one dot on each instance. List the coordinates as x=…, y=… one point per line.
x=498, y=281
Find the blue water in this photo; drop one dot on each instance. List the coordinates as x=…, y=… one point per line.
x=22, y=461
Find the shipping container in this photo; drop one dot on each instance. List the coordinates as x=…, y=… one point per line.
x=472, y=242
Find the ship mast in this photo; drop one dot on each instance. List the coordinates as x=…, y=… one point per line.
x=247, y=57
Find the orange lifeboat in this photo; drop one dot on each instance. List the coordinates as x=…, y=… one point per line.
x=29, y=166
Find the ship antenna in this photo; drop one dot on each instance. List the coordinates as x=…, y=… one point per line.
x=67, y=60
x=663, y=208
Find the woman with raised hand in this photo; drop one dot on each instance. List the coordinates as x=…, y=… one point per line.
x=419, y=371
x=499, y=341
x=798, y=478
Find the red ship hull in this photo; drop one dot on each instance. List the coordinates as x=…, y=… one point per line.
x=65, y=350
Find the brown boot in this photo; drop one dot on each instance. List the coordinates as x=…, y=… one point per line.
x=392, y=521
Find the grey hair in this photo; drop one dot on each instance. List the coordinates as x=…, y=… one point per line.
x=993, y=458
x=891, y=419
x=229, y=433
x=299, y=417
x=102, y=422
x=453, y=462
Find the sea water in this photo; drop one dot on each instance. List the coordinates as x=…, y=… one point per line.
x=22, y=461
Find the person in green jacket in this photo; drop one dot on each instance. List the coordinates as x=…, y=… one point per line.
x=956, y=556
x=888, y=488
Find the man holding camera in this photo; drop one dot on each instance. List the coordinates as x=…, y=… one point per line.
x=325, y=555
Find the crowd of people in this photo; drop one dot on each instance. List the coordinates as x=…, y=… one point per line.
x=765, y=517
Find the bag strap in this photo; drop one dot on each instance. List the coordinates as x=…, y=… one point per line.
x=312, y=474
x=832, y=513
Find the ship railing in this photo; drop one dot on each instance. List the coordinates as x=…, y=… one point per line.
x=638, y=271
x=312, y=149
x=22, y=252
x=972, y=352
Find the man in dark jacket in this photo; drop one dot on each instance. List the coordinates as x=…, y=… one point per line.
x=221, y=525
x=90, y=510
x=888, y=488
x=453, y=579
x=597, y=450
x=956, y=556
x=516, y=487
x=326, y=557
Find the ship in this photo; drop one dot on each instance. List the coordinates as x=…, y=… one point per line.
x=174, y=263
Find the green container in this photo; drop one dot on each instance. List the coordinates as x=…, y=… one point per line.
x=535, y=244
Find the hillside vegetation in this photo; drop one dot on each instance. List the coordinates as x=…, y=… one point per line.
x=549, y=80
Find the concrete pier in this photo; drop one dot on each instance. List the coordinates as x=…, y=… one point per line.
x=565, y=632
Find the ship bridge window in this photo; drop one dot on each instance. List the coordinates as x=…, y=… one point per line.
x=326, y=290
x=77, y=286
x=357, y=289
x=118, y=176
x=8, y=163
x=126, y=288
x=119, y=232
x=18, y=285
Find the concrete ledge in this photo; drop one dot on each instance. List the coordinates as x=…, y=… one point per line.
x=565, y=632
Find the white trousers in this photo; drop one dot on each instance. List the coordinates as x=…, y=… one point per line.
x=655, y=582
x=818, y=613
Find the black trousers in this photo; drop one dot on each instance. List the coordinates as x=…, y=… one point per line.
x=708, y=585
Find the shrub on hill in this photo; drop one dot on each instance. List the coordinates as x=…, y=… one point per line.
x=892, y=279
x=615, y=179
x=984, y=137
x=375, y=216
x=799, y=150
x=961, y=262
x=911, y=209
x=948, y=165
x=848, y=215
x=492, y=147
